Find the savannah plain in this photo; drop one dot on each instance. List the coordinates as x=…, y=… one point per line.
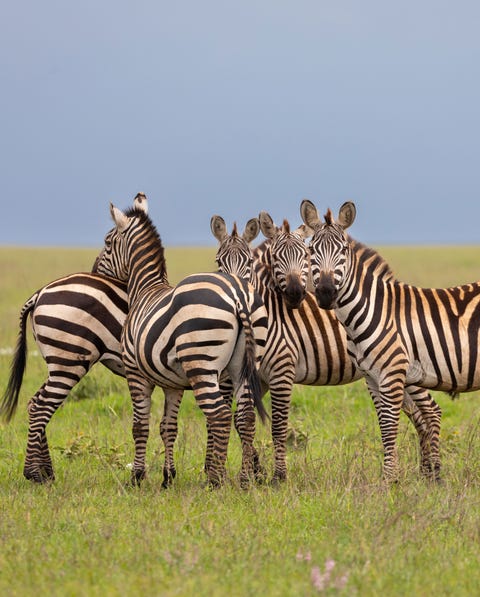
x=332, y=528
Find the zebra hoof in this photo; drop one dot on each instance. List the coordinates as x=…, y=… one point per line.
x=168, y=477
x=278, y=479
x=432, y=475
x=137, y=477
x=39, y=474
x=259, y=472
x=215, y=482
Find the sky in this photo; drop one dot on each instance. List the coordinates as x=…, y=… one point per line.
x=231, y=108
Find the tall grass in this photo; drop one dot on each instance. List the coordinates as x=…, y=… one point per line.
x=332, y=528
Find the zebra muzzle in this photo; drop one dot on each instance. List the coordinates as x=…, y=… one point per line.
x=325, y=292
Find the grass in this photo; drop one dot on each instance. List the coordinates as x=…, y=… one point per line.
x=88, y=534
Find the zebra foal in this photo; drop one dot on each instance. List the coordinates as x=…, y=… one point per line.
x=305, y=344
x=400, y=336
x=209, y=325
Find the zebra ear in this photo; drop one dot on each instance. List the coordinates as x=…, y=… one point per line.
x=120, y=219
x=267, y=226
x=309, y=214
x=218, y=228
x=346, y=215
x=303, y=231
x=251, y=230
x=140, y=202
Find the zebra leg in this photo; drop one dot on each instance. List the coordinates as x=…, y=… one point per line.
x=41, y=407
x=281, y=394
x=141, y=394
x=259, y=472
x=168, y=432
x=245, y=425
x=431, y=414
x=388, y=401
x=218, y=416
x=415, y=415
x=38, y=465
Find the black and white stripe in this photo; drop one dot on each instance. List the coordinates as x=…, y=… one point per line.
x=305, y=345
x=209, y=325
x=76, y=321
x=399, y=336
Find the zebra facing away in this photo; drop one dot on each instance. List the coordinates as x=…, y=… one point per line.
x=305, y=345
x=76, y=321
x=398, y=334
x=182, y=337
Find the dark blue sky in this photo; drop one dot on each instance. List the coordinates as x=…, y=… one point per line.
x=232, y=108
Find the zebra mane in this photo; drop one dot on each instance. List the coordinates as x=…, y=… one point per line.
x=286, y=226
x=365, y=253
x=152, y=236
x=234, y=231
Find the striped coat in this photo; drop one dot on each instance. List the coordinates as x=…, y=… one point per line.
x=76, y=321
x=398, y=335
x=209, y=325
x=305, y=344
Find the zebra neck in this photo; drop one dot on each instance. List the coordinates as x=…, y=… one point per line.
x=262, y=279
x=144, y=281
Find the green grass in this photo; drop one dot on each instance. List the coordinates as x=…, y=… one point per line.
x=88, y=534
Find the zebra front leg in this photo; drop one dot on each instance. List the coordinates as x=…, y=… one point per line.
x=388, y=401
x=169, y=431
x=141, y=394
x=281, y=395
x=431, y=413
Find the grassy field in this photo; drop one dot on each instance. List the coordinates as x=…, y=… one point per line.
x=332, y=528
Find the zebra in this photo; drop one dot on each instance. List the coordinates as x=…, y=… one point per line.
x=399, y=335
x=183, y=337
x=305, y=345
x=76, y=321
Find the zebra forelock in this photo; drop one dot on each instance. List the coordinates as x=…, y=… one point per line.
x=328, y=217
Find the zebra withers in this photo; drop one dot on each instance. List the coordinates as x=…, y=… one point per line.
x=76, y=321
x=399, y=335
x=187, y=336
x=305, y=345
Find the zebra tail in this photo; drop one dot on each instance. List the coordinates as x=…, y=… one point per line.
x=249, y=373
x=9, y=402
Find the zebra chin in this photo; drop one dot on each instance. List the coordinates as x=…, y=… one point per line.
x=326, y=296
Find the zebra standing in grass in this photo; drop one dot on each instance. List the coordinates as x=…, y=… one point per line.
x=398, y=334
x=185, y=337
x=305, y=344
x=76, y=321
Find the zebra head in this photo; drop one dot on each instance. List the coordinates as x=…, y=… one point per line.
x=288, y=258
x=330, y=250
x=234, y=255
x=113, y=258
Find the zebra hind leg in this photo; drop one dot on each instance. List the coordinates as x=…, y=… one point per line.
x=141, y=395
x=218, y=416
x=245, y=425
x=168, y=433
x=38, y=463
